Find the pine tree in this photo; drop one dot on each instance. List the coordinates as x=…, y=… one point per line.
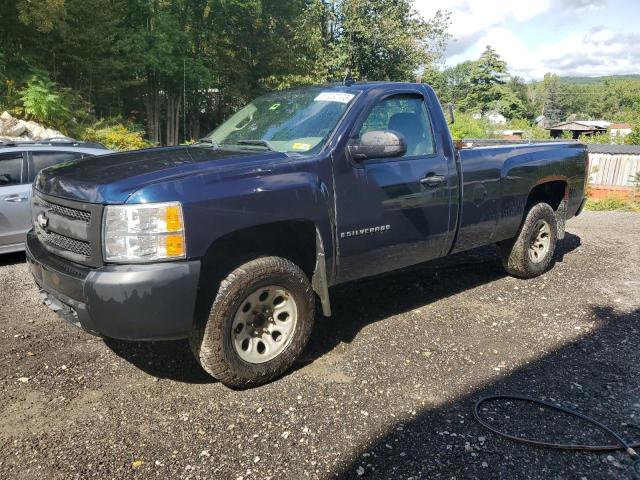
x=486, y=83
x=552, y=106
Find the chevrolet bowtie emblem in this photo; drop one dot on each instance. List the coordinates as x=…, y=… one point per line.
x=42, y=219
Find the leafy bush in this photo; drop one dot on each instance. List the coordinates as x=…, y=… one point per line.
x=465, y=126
x=116, y=137
x=43, y=103
x=531, y=131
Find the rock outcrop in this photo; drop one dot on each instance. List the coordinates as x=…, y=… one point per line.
x=13, y=129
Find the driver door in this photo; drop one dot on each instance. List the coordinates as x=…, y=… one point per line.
x=393, y=212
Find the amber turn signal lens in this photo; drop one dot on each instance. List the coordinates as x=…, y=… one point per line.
x=175, y=246
x=173, y=219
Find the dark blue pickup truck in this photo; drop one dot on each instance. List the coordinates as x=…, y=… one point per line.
x=231, y=241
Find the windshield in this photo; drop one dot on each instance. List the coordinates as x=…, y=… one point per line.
x=290, y=121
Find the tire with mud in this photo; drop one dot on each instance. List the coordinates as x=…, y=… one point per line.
x=530, y=253
x=259, y=323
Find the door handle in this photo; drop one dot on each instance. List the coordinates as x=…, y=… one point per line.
x=15, y=198
x=432, y=180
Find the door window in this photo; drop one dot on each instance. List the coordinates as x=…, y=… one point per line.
x=407, y=115
x=10, y=169
x=40, y=160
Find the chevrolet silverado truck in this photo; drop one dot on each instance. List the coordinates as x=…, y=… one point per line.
x=232, y=241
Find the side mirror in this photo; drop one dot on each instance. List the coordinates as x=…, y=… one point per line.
x=451, y=118
x=378, y=144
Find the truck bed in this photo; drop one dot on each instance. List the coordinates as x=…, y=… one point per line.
x=466, y=143
x=496, y=179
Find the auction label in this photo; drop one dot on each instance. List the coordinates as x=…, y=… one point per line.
x=334, y=97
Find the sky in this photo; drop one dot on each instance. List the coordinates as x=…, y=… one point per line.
x=568, y=37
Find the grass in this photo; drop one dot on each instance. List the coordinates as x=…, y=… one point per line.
x=613, y=203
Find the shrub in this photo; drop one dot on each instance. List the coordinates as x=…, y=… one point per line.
x=465, y=126
x=116, y=137
x=612, y=203
x=531, y=131
x=43, y=102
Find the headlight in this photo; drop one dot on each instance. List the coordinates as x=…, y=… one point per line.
x=143, y=232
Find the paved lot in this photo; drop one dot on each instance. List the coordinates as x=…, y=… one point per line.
x=385, y=390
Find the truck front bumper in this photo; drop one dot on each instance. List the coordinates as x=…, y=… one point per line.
x=129, y=302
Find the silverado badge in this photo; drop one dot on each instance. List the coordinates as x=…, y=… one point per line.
x=365, y=231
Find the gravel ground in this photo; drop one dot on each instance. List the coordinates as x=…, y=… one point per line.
x=384, y=391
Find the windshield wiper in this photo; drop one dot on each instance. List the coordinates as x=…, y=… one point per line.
x=210, y=141
x=259, y=142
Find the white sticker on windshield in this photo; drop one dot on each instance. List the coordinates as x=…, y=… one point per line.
x=334, y=97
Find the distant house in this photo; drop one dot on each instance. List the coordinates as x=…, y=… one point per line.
x=619, y=129
x=579, y=127
x=493, y=117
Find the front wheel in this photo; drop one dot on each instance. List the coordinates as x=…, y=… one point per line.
x=530, y=253
x=259, y=323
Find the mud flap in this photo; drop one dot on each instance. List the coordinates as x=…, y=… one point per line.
x=561, y=217
x=319, y=279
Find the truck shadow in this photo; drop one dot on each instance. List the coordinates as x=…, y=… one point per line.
x=595, y=375
x=363, y=302
x=172, y=360
x=354, y=304
x=12, y=258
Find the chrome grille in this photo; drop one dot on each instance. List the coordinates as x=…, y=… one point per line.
x=66, y=211
x=68, y=228
x=70, y=244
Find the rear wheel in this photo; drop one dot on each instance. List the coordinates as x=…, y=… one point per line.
x=531, y=252
x=259, y=323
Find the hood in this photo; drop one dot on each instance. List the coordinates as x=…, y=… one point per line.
x=114, y=178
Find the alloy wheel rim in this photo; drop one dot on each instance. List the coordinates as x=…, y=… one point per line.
x=540, y=241
x=264, y=324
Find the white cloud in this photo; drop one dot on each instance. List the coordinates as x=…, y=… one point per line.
x=597, y=51
x=470, y=19
x=581, y=5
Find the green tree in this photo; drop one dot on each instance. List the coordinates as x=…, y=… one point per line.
x=634, y=137
x=486, y=82
x=44, y=15
x=377, y=39
x=552, y=107
x=457, y=80
x=517, y=102
x=178, y=67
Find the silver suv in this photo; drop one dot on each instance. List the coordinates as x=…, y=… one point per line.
x=19, y=164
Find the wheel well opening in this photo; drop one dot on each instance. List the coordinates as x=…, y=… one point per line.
x=549, y=192
x=294, y=240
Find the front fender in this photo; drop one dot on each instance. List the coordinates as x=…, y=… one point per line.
x=216, y=205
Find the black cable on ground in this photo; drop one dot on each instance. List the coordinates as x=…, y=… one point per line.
x=622, y=444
